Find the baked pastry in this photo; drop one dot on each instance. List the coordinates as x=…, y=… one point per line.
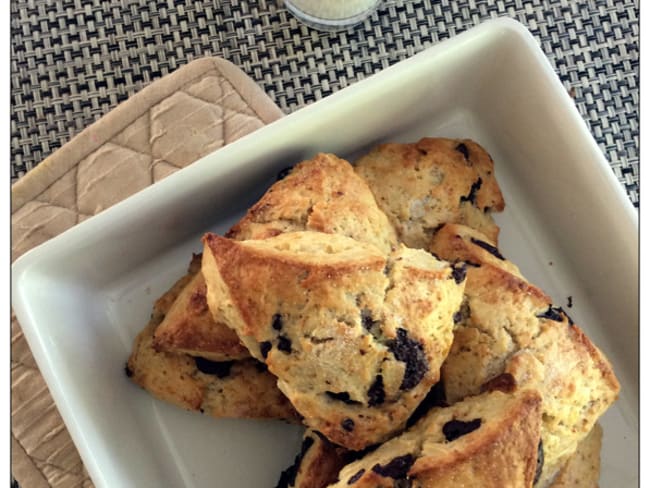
x=582, y=470
x=507, y=325
x=433, y=181
x=489, y=441
x=188, y=326
x=355, y=337
x=321, y=194
x=238, y=389
x=316, y=465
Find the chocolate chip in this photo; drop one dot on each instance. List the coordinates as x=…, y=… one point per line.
x=128, y=371
x=540, y=461
x=348, y=424
x=458, y=428
x=218, y=369
x=462, y=148
x=556, y=314
x=411, y=352
x=403, y=483
x=276, y=322
x=265, y=347
x=288, y=476
x=342, y=397
x=488, y=247
x=284, y=173
x=357, y=476
x=569, y=303
x=552, y=313
x=284, y=344
x=435, y=398
x=366, y=319
x=397, y=468
x=471, y=196
x=376, y=393
x=459, y=272
x=504, y=382
x=371, y=325
x=463, y=313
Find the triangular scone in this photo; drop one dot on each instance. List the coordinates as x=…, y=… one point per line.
x=321, y=194
x=487, y=441
x=582, y=470
x=316, y=465
x=237, y=389
x=433, y=181
x=188, y=326
x=355, y=337
x=508, y=325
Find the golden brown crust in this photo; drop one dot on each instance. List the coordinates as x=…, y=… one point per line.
x=495, y=444
x=238, y=389
x=355, y=338
x=511, y=326
x=322, y=194
x=433, y=181
x=189, y=328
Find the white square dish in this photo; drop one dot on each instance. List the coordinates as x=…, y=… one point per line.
x=82, y=297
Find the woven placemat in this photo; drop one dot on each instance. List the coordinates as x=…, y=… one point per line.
x=73, y=61
x=167, y=126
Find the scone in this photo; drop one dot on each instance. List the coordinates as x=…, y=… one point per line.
x=237, y=389
x=316, y=465
x=433, y=181
x=487, y=441
x=321, y=194
x=582, y=470
x=507, y=325
x=355, y=337
x=188, y=326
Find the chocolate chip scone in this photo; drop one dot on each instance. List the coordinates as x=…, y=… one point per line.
x=355, y=337
x=321, y=194
x=239, y=389
x=316, y=465
x=188, y=326
x=487, y=441
x=433, y=181
x=507, y=325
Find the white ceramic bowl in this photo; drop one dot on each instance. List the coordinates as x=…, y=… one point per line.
x=83, y=296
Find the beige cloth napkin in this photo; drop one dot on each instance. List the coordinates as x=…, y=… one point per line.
x=168, y=125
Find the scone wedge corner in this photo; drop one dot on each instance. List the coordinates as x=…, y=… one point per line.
x=225, y=389
x=356, y=337
x=188, y=327
x=489, y=441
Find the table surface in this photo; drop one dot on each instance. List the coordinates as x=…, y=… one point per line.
x=73, y=61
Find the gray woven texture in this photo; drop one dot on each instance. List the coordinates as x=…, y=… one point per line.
x=72, y=61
